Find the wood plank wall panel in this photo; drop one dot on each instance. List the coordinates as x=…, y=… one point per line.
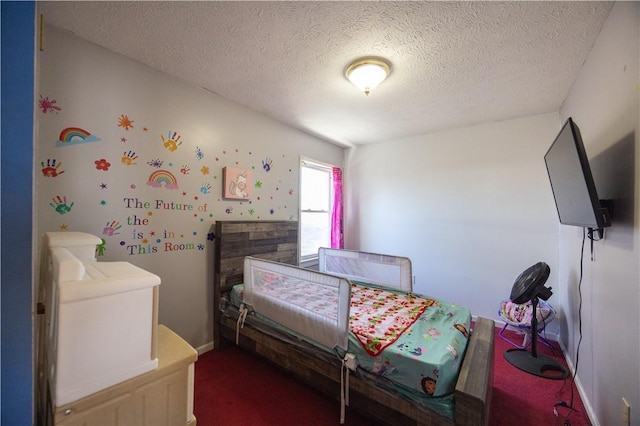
x=234, y=240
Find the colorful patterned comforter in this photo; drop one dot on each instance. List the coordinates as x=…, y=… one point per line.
x=427, y=356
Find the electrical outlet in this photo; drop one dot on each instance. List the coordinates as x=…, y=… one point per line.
x=626, y=413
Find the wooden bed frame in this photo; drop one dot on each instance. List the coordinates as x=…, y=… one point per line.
x=278, y=241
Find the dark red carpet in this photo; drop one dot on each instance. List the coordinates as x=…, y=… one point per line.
x=520, y=398
x=232, y=387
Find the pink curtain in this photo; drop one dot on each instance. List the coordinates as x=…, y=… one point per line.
x=337, y=239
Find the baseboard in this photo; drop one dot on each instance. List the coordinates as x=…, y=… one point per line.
x=583, y=396
x=205, y=348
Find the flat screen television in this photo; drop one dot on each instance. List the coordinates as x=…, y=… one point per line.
x=572, y=183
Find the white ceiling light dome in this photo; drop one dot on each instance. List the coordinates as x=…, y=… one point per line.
x=367, y=73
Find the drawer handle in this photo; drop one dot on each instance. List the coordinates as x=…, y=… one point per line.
x=68, y=412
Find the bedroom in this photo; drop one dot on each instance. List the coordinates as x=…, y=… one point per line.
x=450, y=203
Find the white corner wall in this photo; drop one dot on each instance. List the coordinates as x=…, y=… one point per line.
x=604, y=103
x=472, y=207
x=154, y=206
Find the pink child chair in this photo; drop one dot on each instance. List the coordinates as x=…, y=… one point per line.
x=519, y=317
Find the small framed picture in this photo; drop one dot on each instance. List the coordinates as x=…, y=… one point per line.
x=237, y=183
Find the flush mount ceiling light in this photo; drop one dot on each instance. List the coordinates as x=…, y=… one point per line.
x=367, y=73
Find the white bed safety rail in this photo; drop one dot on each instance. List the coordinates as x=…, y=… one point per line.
x=311, y=303
x=380, y=269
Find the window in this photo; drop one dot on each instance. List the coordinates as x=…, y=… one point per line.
x=316, y=200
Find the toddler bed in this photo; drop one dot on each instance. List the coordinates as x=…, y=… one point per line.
x=371, y=389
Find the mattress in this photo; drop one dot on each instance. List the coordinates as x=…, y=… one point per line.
x=422, y=362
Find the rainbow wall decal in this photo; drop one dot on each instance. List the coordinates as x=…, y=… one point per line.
x=75, y=136
x=163, y=177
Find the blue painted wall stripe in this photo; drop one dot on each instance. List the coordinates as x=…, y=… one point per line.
x=18, y=35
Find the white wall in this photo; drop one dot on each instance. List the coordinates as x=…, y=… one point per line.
x=93, y=88
x=604, y=103
x=471, y=207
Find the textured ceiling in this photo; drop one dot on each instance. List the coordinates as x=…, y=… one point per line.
x=453, y=63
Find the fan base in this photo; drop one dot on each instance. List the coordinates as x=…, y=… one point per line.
x=539, y=365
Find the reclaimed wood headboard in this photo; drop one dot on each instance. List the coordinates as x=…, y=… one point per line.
x=272, y=240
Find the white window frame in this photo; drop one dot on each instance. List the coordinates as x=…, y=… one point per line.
x=310, y=261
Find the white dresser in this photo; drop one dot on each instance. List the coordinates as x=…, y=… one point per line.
x=102, y=358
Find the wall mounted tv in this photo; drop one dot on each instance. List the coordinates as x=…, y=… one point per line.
x=572, y=183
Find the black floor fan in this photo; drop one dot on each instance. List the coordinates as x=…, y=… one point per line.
x=530, y=286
